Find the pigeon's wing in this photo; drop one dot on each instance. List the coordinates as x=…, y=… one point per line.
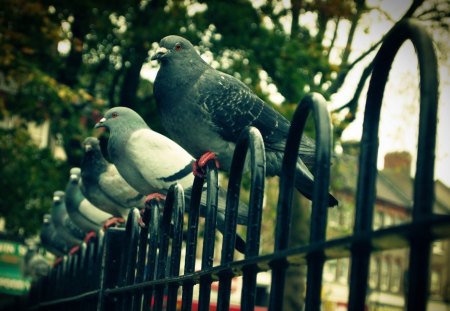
x=112, y=184
x=230, y=106
x=94, y=215
x=161, y=161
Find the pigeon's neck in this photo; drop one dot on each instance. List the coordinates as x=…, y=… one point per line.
x=93, y=164
x=176, y=75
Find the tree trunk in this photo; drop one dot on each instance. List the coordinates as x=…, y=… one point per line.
x=295, y=284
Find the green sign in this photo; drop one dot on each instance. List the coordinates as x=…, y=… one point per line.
x=11, y=280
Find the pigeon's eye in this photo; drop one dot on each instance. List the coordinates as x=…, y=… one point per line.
x=114, y=115
x=177, y=46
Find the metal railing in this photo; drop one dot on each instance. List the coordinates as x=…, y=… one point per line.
x=131, y=269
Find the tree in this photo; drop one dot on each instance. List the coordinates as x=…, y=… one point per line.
x=267, y=44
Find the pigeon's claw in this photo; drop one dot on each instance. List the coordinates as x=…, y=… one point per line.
x=140, y=221
x=198, y=167
x=152, y=196
x=155, y=195
x=112, y=222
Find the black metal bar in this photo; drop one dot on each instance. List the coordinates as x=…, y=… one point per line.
x=175, y=256
x=315, y=260
x=129, y=258
x=191, y=244
x=152, y=209
x=419, y=257
x=369, y=150
x=212, y=195
x=165, y=229
x=250, y=139
x=284, y=208
x=110, y=260
x=142, y=254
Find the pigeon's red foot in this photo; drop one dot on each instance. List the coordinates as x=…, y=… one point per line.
x=198, y=167
x=155, y=195
x=140, y=221
x=74, y=249
x=112, y=222
x=90, y=235
x=58, y=261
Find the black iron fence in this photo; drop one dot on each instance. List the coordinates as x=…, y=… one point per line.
x=136, y=268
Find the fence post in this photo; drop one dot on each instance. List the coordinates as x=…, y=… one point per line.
x=110, y=263
x=424, y=184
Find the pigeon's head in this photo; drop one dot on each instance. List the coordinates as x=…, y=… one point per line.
x=174, y=47
x=58, y=196
x=91, y=143
x=119, y=119
x=47, y=219
x=75, y=173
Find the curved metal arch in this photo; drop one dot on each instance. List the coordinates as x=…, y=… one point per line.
x=317, y=104
x=423, y=186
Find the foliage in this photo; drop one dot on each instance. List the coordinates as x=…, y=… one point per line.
x=30, y=175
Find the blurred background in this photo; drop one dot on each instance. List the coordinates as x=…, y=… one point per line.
x=63, y=63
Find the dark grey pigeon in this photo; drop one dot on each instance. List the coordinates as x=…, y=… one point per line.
x=103, y=185
x=82, y=212
x=151, y=162
x=205, y=110
x=62, y=222
x=50, y=238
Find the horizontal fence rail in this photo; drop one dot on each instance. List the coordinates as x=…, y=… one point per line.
x=142, y=268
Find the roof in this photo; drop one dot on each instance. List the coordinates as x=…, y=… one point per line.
x=392, y=186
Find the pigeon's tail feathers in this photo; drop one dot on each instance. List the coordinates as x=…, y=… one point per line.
x=304, y=182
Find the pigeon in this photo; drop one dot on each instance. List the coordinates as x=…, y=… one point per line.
x=34, y=265
x=150, y=162
x=102, y=184
x=82, y=212
x=69, y=232
x=50, y=239
x=205, y=110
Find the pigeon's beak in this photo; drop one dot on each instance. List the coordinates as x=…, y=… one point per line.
x=56, y=198
x=88, y=147
x=100, y=123
x=160, y=53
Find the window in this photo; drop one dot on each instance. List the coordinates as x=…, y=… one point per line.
x=384, y=274
x=374, y=272
x=396, y=276
x=435, y=286
x=377, y=220
x=438, y=248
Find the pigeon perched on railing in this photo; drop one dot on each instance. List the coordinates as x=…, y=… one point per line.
x=205, y=110
x=102, y=184
x=62, y=222
x=50, y=238
x=82, y=212
x=34, y=264
x=151, y=162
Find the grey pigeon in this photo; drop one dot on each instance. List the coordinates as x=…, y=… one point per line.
x=151, y=162
x=50, y=238
x=103, y=185
x=82, y=212
x=69, y=232
x=34, y=264
x=205, y=110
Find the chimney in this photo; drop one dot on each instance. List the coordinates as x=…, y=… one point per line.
x=399, y=161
